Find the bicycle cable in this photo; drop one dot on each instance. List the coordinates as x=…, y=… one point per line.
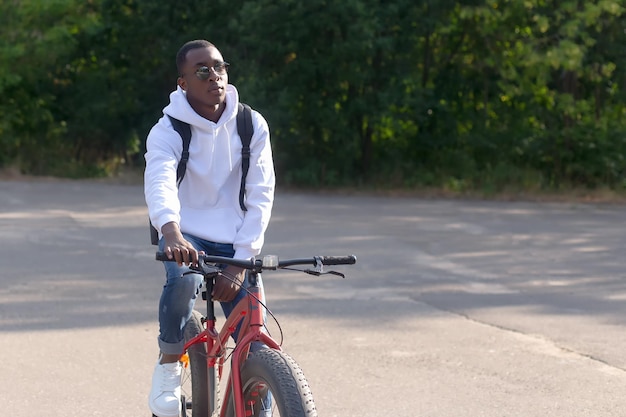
x=268, y=311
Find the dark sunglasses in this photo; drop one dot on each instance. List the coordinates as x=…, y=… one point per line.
x=204, y=72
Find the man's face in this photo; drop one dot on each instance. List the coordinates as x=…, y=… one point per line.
x=209, y=92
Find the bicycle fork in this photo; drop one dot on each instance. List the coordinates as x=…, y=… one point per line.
x=249, y=316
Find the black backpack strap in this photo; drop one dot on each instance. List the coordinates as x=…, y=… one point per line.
x=184, y=130
x=154, y=234
x=245, y=130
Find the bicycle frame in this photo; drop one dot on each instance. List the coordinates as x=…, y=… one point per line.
x=248, y=316
x=248, y=320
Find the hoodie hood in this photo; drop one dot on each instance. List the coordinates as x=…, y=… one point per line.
x=180, y=109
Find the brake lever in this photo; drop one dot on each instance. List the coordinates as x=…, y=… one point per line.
x=318, y=273
x=336, y=273
x=203, y=268
x=319, y=269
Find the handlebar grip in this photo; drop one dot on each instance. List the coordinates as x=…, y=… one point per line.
x=339, y=260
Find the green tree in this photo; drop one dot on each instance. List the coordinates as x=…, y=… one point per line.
x=479, y=94
x=39, y=37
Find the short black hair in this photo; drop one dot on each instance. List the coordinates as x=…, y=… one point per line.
x=181, y=56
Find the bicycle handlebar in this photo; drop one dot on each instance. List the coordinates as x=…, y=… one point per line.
x=269, y=262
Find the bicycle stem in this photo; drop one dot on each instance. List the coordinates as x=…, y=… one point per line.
x=210, y=305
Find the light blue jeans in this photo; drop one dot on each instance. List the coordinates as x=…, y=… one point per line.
x=180, y=292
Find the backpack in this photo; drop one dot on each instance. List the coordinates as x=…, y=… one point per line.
x=245, y=130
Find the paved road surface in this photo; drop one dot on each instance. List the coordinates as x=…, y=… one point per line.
x=455, y=308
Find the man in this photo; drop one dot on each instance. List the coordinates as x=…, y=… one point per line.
x=203, y=213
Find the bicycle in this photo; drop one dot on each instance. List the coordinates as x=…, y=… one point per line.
x=261, y=383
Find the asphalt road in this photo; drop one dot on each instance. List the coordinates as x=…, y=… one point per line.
x=455, y=308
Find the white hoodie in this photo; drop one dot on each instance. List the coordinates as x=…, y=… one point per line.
x=207, y=203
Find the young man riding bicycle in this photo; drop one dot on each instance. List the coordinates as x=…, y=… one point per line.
x=203, y=213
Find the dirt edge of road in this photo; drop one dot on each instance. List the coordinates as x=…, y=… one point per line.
x=580, y=195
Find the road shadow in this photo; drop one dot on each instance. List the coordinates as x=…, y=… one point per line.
x=79, y=256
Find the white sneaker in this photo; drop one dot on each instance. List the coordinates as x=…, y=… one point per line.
x=164, y=400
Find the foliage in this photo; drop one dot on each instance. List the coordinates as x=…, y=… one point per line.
x=479, y=94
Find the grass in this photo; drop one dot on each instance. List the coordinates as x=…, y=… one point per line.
x=605, y=195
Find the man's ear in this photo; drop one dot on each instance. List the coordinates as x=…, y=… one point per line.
x=182, y=83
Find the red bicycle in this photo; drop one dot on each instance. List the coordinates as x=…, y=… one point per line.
x=262, y=382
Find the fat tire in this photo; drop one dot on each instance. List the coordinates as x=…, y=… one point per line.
x=200, y=395
x=282, y=375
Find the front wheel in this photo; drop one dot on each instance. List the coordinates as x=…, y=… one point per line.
x=274, y=385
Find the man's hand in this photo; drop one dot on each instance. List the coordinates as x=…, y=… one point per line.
x=177, y=247
x=228, y=283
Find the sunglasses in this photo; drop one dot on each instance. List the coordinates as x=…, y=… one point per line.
x=204, y=72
